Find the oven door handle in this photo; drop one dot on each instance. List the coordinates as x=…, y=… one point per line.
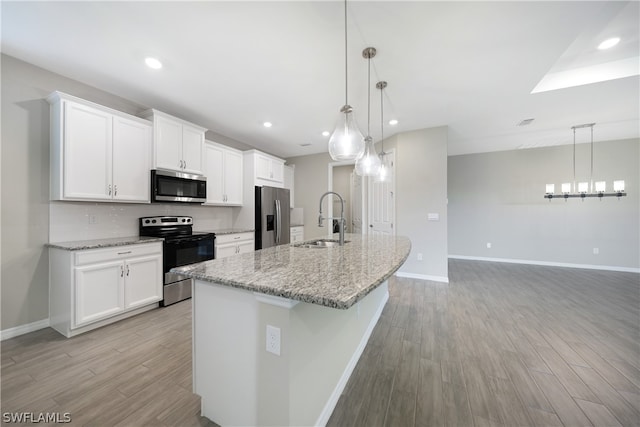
x=185, y=239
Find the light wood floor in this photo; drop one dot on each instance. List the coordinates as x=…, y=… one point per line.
x=501, y=344
x=136, y=372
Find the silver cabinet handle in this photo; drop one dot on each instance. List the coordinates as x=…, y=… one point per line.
x=127, y=269
x=109, y=189
x=121, y=271
x=115, y=190
x=124, y=253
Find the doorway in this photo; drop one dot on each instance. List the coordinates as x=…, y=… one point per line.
x=382, y=203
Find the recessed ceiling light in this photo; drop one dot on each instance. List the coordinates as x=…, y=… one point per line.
x=267, y=124
x=609, y=43
x=393, y=122
x=325, y=133
x=153, y=63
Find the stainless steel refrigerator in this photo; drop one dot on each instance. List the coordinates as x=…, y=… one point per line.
x=272, y=217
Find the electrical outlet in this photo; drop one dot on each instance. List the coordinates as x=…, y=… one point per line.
x=273, y=340
x=420, y=257
x=488, y=245
x=93, y=219
x=596, y=251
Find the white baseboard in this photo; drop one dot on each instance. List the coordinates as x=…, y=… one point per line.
x=323, y=419
x=549, y=263
x=23, y=329
x=442, y=279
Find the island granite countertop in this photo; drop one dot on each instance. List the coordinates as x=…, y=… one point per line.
x=81, y=245
x=336, y=277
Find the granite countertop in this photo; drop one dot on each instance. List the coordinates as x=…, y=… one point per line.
x=228, y=231
x=336, y=277
x=80, y=245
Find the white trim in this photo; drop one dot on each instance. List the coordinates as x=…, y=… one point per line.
x=275, y=300
x=442, y=279
x=549, y=263
x=323, y=419
x=23, y=329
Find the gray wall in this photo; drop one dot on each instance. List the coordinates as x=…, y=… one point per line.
x=421, y=188
x=497, y=198
x=25, y=210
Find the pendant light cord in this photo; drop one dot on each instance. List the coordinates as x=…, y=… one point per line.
x=382, y=121
x=574, y=158
x=591, y=175
x=369, y=96
x=346, y=69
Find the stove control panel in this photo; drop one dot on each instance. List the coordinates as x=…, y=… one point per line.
x=163, y=221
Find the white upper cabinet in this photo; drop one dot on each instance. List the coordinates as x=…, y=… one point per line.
x=223, y=168
x=264, y=169
x=269, y=168
x=131, y=160
x=97, y=154
x=289, y=174
x=177, y=145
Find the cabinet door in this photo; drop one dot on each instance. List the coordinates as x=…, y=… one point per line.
x=277, y=170
x=263, y=167
x=168, y=144
x=214, y=171
x=98, y=291
x=87, y=152
x=246, y=246
x=131, y=160
x=192, y=145
x=223, y=251
x=143, y=281
x=233, y=177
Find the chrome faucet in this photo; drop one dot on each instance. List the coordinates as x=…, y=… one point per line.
x=342, y=222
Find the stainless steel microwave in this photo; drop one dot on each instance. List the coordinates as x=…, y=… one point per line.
x=170, y=186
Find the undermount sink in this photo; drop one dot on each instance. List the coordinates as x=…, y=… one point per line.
x=321, y=243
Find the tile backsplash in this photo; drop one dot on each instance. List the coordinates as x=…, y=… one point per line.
x=70, y=221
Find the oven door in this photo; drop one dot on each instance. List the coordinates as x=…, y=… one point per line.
x=184, y=251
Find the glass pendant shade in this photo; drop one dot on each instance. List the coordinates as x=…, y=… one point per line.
x=383, y=174
x=369, y=163
x=346, y=142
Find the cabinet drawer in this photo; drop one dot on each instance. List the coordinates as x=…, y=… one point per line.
x=231, y=238
x=92, y=256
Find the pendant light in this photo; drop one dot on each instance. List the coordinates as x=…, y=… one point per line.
x=369, y=163
x=383, y=174
x=346, y=142
x=584, y=189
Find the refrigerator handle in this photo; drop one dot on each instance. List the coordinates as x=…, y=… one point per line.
x=278, y=222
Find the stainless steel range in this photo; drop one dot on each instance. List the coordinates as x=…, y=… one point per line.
x=181, y=247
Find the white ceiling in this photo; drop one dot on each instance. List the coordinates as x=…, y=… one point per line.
x=230, y=66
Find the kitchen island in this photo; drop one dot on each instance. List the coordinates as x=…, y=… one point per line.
x=277, y=332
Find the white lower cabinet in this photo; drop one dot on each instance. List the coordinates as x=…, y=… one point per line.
x=98, y=292
x=234, y=244
x=94, y=287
